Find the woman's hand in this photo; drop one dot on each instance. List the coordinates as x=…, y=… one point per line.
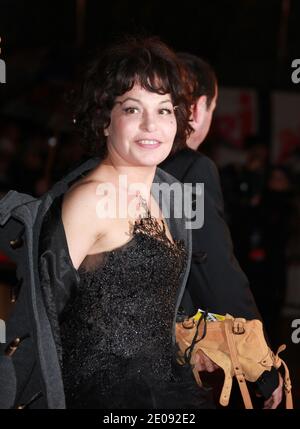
x=276, y=397
x=204, y=363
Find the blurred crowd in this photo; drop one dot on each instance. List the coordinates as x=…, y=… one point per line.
x=32, y=158
x=262, y=205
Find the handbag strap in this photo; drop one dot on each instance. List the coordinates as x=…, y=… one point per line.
x=236, y=364
x=287, y=381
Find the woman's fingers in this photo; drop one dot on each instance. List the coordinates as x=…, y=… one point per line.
x=276, y=396
x=204, y=363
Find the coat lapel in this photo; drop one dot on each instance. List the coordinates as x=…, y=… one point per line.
x=171, y=208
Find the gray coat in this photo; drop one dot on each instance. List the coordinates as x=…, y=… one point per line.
x=30, y=371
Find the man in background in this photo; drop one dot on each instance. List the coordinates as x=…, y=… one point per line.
x=216, y=282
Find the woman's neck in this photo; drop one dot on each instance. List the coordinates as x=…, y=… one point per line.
x=131, y=179
x=134, y=173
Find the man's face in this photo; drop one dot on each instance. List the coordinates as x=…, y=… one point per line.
x=208, y=116
x=201, y=129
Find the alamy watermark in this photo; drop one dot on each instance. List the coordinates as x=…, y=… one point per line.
x=296, y=73
x=296, y=333
x=179, y=201
x=2, y=332
x=2, y=69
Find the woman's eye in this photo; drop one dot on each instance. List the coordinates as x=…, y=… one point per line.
x=166, y=111
x=131, y=110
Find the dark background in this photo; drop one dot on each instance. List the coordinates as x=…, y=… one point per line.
x=250, y=43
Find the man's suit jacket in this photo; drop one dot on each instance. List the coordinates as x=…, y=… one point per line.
x=216, y=281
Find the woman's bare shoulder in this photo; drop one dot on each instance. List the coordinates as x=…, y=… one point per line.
x=83, y=194
x=80, y=216
x=84, y=204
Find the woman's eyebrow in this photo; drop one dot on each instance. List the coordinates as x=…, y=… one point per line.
x=138, y=101
x=129, y=98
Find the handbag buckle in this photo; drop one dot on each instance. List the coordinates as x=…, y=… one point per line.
x=238, y=328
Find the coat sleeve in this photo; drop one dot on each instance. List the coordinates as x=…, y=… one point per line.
x=17, y=353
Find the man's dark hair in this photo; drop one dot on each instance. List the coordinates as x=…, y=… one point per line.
x=145, y=61
x=201, y=76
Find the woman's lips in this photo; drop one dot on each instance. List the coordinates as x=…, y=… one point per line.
x=148, y=144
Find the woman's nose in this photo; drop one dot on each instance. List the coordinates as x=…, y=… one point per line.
x=148, y=123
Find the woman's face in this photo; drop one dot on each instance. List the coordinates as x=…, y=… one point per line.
x=142, y=127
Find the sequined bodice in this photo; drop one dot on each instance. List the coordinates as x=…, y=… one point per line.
x=118, y=327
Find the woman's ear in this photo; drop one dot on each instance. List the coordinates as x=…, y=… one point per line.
x=106, y=133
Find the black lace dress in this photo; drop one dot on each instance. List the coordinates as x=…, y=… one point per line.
x=117, y=330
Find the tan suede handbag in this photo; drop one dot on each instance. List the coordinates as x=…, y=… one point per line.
x=236, y=345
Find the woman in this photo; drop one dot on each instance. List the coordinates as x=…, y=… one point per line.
x=117, y=329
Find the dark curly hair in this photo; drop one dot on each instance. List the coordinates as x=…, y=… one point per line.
x=148, y=62
x=201, y=76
